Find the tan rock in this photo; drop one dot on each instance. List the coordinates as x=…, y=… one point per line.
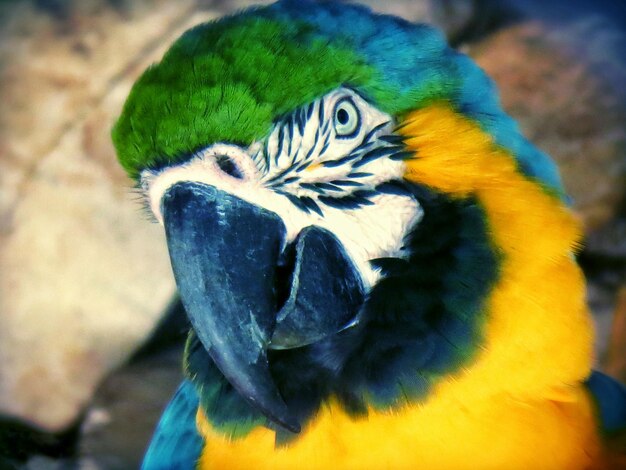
x=85, y=277
x=53, y=71
x=150, y=382
x=84, y=281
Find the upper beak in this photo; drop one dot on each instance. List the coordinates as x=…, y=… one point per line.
x=225, y=253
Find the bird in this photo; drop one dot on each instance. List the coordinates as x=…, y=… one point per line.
x=378, y=268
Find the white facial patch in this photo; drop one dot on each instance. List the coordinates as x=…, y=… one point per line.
x=321, y=166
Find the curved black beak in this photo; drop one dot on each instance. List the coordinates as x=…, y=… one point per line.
x=224, y=254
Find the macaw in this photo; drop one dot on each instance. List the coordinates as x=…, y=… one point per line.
x=378, y=268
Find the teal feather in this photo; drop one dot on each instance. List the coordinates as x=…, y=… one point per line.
x=176, y=443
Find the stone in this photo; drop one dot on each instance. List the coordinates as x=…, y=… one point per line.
x=55, y=67
x=126, y=408
x=85, y=277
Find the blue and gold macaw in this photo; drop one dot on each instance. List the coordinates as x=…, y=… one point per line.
x=378, y=268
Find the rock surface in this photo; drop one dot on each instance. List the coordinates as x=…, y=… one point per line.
x=129, y=403
x=85, y=277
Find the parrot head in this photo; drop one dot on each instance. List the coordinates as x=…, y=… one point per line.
x=326, y=178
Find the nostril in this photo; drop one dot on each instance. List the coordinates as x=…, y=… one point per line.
x=228, y=166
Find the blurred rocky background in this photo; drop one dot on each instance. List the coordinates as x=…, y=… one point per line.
x=90, y=330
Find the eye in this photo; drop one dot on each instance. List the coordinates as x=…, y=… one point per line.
x=346, y=119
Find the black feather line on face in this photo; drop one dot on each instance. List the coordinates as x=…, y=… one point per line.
x=296, y=201
x=309, y=111
x=403, y=155
x=275, y=180
x=312, y=187
x=320, y=112
x=359, y=152
x=290, y=135
x=314, y=146
x=375, y=154
x=311, y=205
x=392, y=139
x=303, y=166
x=397, y=188
x=281, y=139
x=326, y=145
x=370, y=135
x=423, y=320
x=349, y=183
x=351, y=201
x=360, y=174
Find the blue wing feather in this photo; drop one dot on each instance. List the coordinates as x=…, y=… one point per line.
x=610, y=398
x=176, y=443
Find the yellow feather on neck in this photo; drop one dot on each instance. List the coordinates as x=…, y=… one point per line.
x=521, y=404
x=537, y=312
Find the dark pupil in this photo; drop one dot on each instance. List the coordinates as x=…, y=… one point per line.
x=228, y=166
x=342, y=116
